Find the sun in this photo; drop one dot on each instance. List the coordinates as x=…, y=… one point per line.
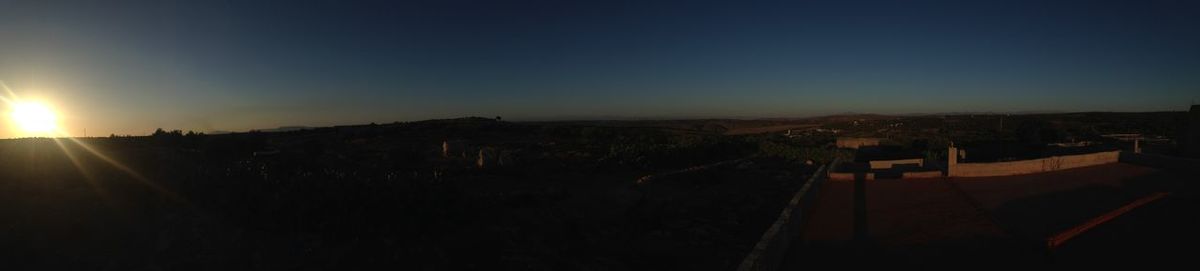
x=33, y=117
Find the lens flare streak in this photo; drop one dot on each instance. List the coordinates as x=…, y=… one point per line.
x=38, y=118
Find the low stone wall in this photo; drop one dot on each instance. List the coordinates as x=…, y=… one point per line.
x=850, y=176
x=856, y=142
x=768, y=253
x=921, y=174
x=886, y=164
x=1032, y=166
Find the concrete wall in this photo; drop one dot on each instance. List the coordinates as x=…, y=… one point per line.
x=769, y=252
x=1031, y=166
x=856, y=142
x=886, y=164
x=850, y=176
x=921, y=174
x=1191, y=140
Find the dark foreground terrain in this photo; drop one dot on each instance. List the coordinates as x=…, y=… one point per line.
x=478, y=193
x=564, y=197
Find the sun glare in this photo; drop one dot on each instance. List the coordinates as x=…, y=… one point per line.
x=32, y=117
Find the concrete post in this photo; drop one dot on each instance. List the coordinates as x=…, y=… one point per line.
x=1191, y=141
x=951, y=160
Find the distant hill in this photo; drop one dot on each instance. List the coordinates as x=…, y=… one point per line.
x=733, y=126
x=271, y=130
x=286, y=129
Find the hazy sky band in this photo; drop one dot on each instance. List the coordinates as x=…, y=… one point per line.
x=235, y=65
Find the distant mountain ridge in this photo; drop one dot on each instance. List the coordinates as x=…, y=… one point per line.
x=271, y=130
x=845, y=116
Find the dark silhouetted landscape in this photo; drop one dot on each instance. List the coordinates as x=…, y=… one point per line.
x=598, y=135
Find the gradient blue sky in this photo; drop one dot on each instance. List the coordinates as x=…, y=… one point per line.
x=128, y=67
